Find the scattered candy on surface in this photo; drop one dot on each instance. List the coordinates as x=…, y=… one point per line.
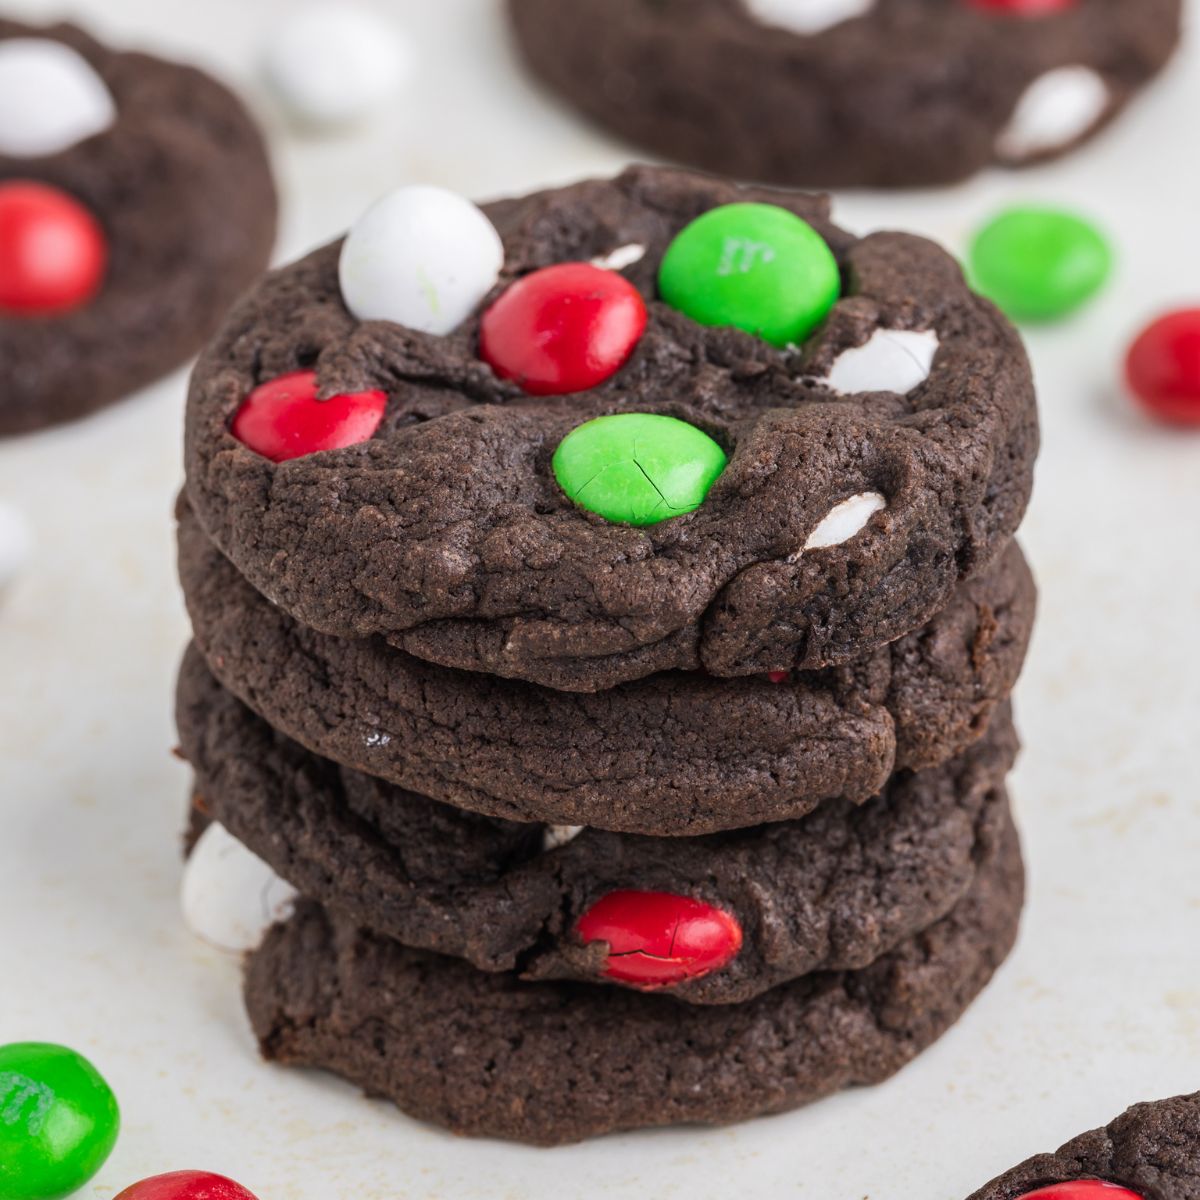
x=756, y=267
x=421, y=257
x=230, y=897
x=656, y=938
x=1162, y=367
x=1025, y=8
x=332, y=63
x=565, y=328
x=16, y=544
x=638, y=468
x=844, y=520
x=283, y=418
x=1082, y=1189
x=1039, y=264
x=808, y=16
x=58, y=1121
x=186, y=1185
x=891, y=360
x=1056, y=110
x=50, y=98
x=53, y=253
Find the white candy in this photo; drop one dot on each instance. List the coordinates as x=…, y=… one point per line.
x=559, y=835
x=892, y=360
x=230, y=896
x=1057, y=109
x=16, y=544
x=333, y=63
x=844, y=520
x=50, y=98
x=422, y=257
x=807, y=17
x=621, y=257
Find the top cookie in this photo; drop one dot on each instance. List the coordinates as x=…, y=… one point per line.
x=840, y=93
x=136, y=204
x=841, y=482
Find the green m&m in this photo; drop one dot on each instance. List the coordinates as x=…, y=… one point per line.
x=1038, y=264
x=58, y=1121
x=638, y=468
x=756, y=267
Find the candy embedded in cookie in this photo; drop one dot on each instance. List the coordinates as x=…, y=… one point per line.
x=656, y=939
x=756, y=267
x=53, y=253
x=638, y=468
x=59, y=1121
x=1082, y=1189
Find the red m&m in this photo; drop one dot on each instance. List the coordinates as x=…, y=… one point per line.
x=1163, y=367
x=186, y=1185
x=283, y=419
x=1082, y=1189
x=1025, y=8
x=656, y=939
x=53, y=253
x=565, y=328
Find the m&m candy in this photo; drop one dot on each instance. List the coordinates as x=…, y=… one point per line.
x=562, y=329
x=1025, y=8
x=657, y=938
x=283, y=419
x=1082, y=1189
x=186, y=1185
x=1038, y=264
x=50, y=98
x=53, y=253
x=1163, y=367
x=422, y=257
x=58, y=1121
x=638, y=468
x=756, y=267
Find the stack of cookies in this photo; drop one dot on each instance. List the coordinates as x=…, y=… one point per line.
x=605, y=613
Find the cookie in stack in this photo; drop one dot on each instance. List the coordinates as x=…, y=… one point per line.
x=605, y=612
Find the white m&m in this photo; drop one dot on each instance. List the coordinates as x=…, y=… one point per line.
x=1058, y=108
x=422, y=257
x=807, y=17
x=50, y=98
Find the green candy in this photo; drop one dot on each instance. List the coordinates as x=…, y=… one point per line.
x=1038, y=264
x=636, y=468
x=58, y=1121
x=756, y=267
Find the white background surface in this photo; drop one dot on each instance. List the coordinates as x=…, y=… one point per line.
x=1100, y=1005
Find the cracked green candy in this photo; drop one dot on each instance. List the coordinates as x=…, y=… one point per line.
x=638, y=468
x=58, y=1121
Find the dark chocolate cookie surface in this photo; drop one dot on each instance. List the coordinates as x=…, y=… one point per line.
x=1152, y=1150
x=182, y=189
x=448, y=534
x=831, y=892
x=677, y=753
x=486, y=1054
x=890, y=93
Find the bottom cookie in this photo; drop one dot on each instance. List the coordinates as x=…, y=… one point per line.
x=1150, y=1152
x=488, y=1055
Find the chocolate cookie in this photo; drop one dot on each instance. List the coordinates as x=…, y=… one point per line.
x=863, y=473
x=833, y=891
x=677, y=753
x=486, y=1054
x=838, y=93
x=1152, y=1150
x=140, y=234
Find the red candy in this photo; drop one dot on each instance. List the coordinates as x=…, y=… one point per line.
x=1080, y=1189
x=1026, y=8
x=779, y=676
x=186, y=1185
x=563, y=329
x=656, y=938
x=1163, y=367
x=53, y=253
x=284, y=419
